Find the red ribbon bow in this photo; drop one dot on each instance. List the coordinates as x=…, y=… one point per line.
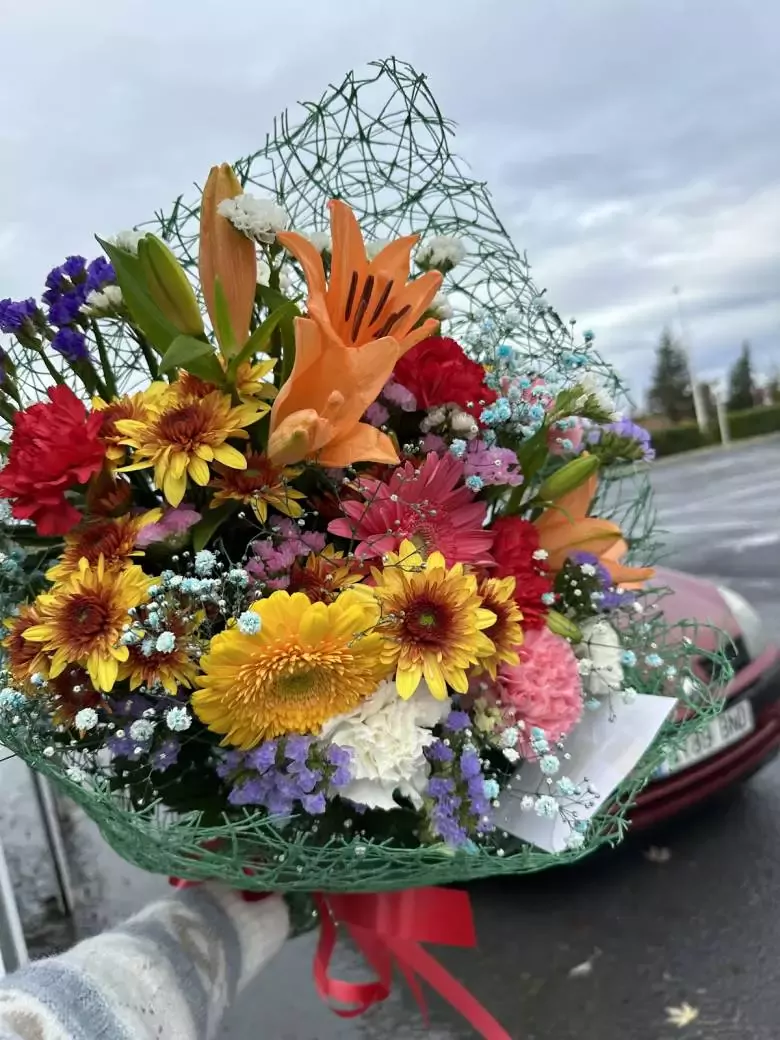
x=388, y=928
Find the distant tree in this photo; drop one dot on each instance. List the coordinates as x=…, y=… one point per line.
x=773, y=388
x=670, y=392
x=742, y=389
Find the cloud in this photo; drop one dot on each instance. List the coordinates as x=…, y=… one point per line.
x=629, y=147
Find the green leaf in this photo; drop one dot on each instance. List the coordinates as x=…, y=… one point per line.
x=205, y=528
x=144, y=311
x=261, y=336
x=223, y=326
x=195, y=356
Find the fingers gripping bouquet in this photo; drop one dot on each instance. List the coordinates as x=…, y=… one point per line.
x=327, y=592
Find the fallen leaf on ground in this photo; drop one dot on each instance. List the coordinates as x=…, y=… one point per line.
x=681, y=1016
x=657, y=854
x=580, y=971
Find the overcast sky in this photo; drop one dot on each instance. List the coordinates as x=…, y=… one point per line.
x=631, y=145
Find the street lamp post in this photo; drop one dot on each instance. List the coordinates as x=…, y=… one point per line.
x=699, y=408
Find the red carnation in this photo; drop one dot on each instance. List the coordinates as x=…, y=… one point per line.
x=516, y=541
x=54, y=446
x=438, y=372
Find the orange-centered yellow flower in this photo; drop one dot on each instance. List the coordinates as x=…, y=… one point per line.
x=365, y=299
x=307, y=663
x=82, y=619
x=181, y=437
x=25, y=658
x=112, y=538
x=506, y=632
x=435, y=618
x=131, y=406
x=566, y=528
x=260, y=485
x=317, y=412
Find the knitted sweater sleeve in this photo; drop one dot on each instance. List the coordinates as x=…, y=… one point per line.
x=171, y=972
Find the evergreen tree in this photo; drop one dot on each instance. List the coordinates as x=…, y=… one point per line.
x=670, y=393
x=741, y=386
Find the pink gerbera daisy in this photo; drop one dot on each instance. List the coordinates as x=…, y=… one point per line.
x=428, y=504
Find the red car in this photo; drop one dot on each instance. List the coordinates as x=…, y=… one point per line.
x=747, y=732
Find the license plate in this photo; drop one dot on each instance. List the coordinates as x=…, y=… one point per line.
x=728, y=728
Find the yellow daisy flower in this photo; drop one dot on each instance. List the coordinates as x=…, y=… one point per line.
x=251, y=385
x=306, y=663
x=131, y=406
x=81, y=619
x=506, y=632
x=181, y=437
x=173, y=669
x=24, y=658
x=260, y=485
x=113, y=539
x=435, y=618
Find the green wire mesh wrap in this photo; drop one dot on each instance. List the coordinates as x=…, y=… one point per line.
x=380, y=142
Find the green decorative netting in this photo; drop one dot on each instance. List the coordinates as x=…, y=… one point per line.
x=380, y=142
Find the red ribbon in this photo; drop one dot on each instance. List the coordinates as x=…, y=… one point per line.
x=388, y=928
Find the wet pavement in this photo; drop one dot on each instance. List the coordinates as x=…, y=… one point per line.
x=688, y=915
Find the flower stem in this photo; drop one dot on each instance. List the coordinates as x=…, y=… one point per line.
x=105, y=364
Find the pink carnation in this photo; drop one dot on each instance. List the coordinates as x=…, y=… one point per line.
x=545, y=689
x=427, y=503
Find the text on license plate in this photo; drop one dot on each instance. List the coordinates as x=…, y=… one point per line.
x=729, y=727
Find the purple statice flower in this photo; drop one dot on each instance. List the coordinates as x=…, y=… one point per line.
x=612, y=599
x=297, y=748
x=444, y=813
x=457, y=721
x=377, y=414
x=399, y=396
x=99, y=273
x=470, y=765
x=433, y=442
x=314, y=804
x=71, y=344
x=229, y=763
x=131, y=707
x=341, y=759
x=73, y=267
x=609, y=598
x=602, y=575
x=304, y=778
x=438, y=751
x=166, y=754
x=630, y=431
x=250, y=791
x=121, y=747
x=14, y=313
x=492, y=465
x=65, y=309
x=173, y=522
x=263, y=757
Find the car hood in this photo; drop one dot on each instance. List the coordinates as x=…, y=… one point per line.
x=694, y=599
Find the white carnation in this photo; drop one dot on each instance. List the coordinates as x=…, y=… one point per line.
x=260, y=219
x=387, y=736
x=264, y=275
x=441, y=307
x=263, y=272
x=442, y=252
x=601, y=647
x=107, y=300
x=128, y=240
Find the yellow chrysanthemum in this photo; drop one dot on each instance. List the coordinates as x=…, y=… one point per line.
x=113, y=539
x=260, y=485
x=81, y=620
x=307, y=663
x=180, y=437
x=172, y=669
x=324, y=575
x=435, y=618
x=506, y=632
x=251, y=385
x=131, y=406
x=24, y=658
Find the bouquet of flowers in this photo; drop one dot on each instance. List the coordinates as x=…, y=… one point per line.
x=325, y=575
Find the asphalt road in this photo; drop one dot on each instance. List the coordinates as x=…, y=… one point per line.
x=695, y=922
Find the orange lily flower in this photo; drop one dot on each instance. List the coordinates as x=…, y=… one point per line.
x=566, y=528
x=318, y=409
x=365, y=300
x=226, y=254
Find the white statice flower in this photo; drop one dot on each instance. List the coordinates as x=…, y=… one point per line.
x=321, y=240
x=387, y=737
x=441, y=252
x=128, y=240
x=264, y=275
x=107, y=300
x=376, y=246
x=441, y=307
x=260, y=219
x=600, y=646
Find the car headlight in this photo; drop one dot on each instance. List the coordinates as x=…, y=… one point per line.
x=749, y=621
